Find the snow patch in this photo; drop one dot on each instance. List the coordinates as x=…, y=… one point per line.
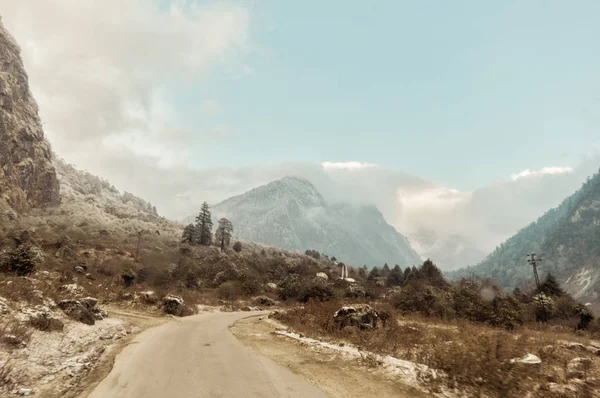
x=408, y=371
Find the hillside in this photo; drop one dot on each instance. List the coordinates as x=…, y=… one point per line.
x=291, y=214
x=568, y=240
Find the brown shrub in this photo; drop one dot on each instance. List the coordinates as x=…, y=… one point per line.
x=230, y=290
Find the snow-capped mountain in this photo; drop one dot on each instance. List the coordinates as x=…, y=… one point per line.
x=291, y=214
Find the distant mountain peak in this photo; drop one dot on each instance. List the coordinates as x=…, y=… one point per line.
x=291, y=214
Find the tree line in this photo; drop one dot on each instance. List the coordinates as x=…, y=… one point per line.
x=201, y=231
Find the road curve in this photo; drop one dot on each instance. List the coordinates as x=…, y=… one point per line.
x=198, y=357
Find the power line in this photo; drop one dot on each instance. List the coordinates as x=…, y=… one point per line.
x=533, y=262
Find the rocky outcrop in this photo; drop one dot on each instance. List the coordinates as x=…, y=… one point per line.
x=173, y=305
x=361, y=316
x=84, y=310
x=27, y=176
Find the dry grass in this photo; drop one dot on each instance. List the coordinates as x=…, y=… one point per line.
x=6, y=370
x=474, y=358
x=15, y=334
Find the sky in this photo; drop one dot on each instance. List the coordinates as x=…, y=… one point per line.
x=464, y=117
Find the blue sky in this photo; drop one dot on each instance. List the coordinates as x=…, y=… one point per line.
x=462, y=92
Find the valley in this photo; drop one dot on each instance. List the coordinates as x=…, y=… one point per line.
x=289, y=287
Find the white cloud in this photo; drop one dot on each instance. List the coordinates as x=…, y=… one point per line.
x=210, y=108
x=544, y=171
x=103, y=72
x=347, y=165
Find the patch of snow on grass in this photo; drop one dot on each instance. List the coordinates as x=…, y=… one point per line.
x=409, y=371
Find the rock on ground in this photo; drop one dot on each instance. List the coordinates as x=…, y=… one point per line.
x=362, y=316
x=173, y=305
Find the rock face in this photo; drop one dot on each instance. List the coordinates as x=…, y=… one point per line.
x=27, y=176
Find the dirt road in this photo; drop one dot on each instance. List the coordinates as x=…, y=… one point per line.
x=198, y=357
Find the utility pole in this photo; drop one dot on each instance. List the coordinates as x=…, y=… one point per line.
x=533, y=262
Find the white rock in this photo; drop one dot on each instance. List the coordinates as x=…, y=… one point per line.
x=322, y=275
x=25, y=391
x=527, y=359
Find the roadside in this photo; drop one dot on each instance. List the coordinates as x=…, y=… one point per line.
x=137, y=322
x=329, y=370
x=69, y=360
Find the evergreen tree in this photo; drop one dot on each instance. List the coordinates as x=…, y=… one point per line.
x=374, y=273
x=396, y=277
x=407, y=274
x=550, y=287
x=432, y=274
x=223, y=234
x=386, y=270
x=204, y=226
x=362, y=273
x=189, y=234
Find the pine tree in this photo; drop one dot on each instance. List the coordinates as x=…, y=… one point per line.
x=362, y=273
x=189, y=234
x=432, y=274
x=223, y=234
x=374, y=273
x=396, y=277
x=204, y=226
x=386, y=270
x=551, y=287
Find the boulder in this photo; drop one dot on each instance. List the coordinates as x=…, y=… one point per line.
x=265, y=301
x=76, y=310
x=276, y=314
x=361, y=316
x=79, y=269
x=322, y=275
x=84, y=310
x=272, y=286
x=173, y=305
x=577, y=368
x=149, y=297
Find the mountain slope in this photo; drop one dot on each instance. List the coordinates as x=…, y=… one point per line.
x=291, y=214
x=27, y=176
x=567, y=238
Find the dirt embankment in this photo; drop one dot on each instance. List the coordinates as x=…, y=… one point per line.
x=330, y=371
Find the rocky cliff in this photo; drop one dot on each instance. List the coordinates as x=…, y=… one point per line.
x=27, y=176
